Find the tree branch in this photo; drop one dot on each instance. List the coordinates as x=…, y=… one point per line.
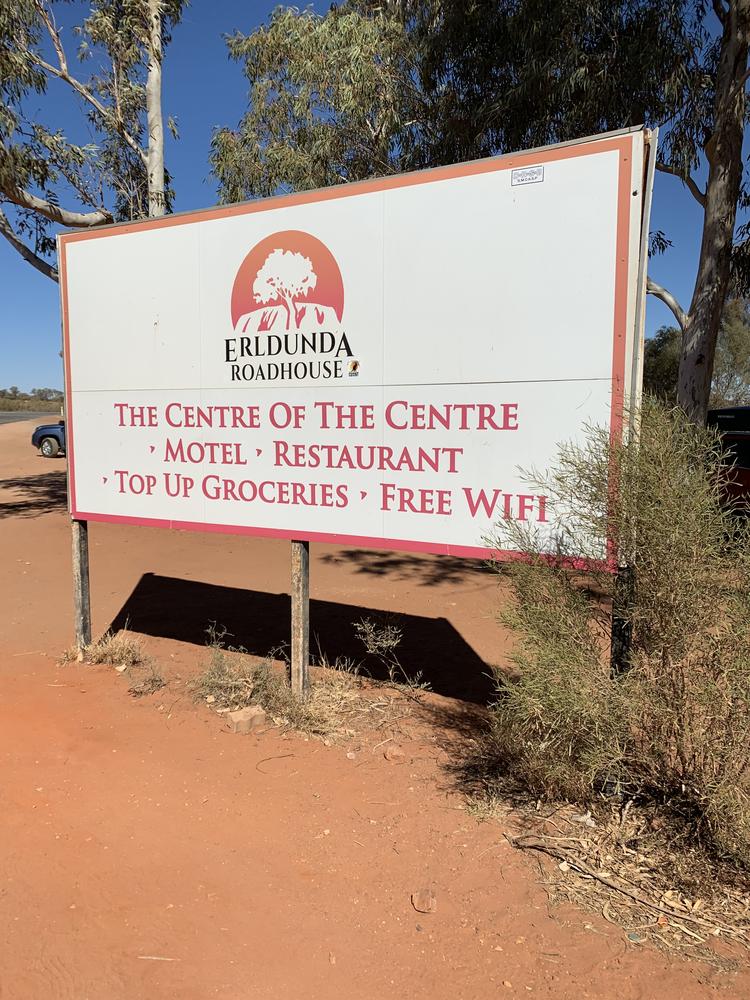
x=96, y=104
x=686, y=179
x=63, y=73
x=75, y=220
x=6, y=230
x=719, y=10
x=669, y=300
x=53, y=33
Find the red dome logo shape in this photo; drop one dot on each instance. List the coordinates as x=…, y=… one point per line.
x=289, y=282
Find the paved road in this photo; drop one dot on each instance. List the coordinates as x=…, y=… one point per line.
x=10, y=416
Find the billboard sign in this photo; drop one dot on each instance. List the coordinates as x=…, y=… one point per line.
x=367, y=364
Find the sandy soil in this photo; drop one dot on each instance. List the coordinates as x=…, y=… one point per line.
x=148, y=854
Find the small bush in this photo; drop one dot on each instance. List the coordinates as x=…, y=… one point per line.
x=674, y=725
x=125, y=652
x=116, y=648
x=381, y=640
x=149, y=683
x=233, y=680
x=228, y=678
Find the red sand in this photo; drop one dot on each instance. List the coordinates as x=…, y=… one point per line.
x=147, y=854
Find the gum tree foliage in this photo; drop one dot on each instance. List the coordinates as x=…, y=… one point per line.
x=331, y=99
x=661, y=363
x=109, y=65
x=375, y=86
x=731, y=384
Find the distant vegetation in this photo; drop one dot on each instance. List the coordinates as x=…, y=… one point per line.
x=38, y=400
x=730, y=385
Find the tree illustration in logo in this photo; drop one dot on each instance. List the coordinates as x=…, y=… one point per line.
x=286, y=276
x=289, y=280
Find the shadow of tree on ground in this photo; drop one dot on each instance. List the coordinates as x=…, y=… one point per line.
x=34, y=495
x=428, y=571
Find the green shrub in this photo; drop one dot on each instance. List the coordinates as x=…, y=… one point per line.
x=674, y=725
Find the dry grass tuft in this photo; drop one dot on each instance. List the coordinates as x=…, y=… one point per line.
x=116, y=648
x=339, y=703
x=228, y=678
x=151, y=682
x=125, y=652
x=382, y=640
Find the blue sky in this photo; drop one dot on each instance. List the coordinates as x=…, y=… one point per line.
x=203, y=89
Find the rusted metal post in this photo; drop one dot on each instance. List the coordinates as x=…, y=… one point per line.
x=300, y=617
x=81, y=592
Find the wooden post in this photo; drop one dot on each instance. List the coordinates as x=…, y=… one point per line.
x=622, y=625
x=81, y=593
x=300, y=617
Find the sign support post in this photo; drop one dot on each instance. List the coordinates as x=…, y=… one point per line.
x=622, y=626
x=300, y=618
x=81, y=591
x=624, y=582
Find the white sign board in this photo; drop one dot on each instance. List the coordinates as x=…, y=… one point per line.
x=367, y=364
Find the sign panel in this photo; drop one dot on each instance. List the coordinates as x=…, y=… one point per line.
x=367, y=364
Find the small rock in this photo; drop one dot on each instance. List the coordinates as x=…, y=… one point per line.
x=393, y=753
x=244, y=720
x=508, y=984
x=350, y=755
x=210, y=699
x=424, y=901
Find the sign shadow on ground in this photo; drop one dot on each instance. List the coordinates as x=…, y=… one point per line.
x=171, y=608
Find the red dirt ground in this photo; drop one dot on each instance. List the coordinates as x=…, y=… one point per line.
x=147, y=854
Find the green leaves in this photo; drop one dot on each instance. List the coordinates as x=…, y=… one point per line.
x=331, y=99
x=375, y=87
x=731, y=375
x=45, y=177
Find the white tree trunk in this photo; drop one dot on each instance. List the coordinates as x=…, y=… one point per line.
x=155, y=156
x=724, y=153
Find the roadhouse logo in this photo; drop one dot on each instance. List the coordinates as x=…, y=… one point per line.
x=287, y=309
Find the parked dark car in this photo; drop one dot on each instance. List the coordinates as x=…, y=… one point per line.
x=50, y=439
x=733, y=423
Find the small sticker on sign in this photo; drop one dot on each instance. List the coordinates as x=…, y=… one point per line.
x=527, y=175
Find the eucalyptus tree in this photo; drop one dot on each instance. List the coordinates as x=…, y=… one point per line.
x=517, y=73
x=331, y=99
x=109, y=63
x=376, y=86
